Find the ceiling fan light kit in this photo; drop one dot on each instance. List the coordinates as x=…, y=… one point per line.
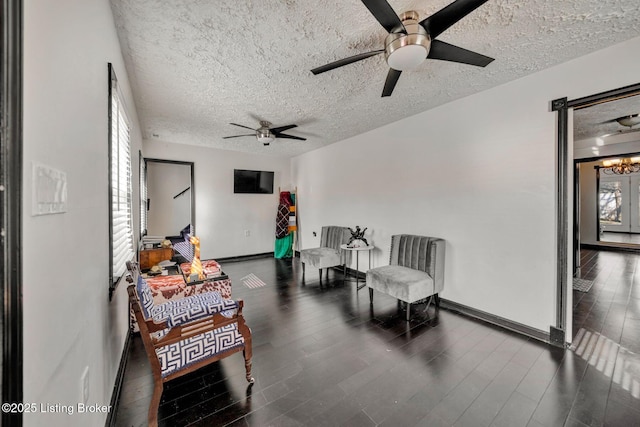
x=264, y=138
x=405, y=52
x=263, y=134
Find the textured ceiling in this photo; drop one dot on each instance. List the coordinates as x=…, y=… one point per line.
x=196, y=65
x=597, y=122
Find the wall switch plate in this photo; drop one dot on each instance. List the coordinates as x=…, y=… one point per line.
x=84, y=385
x=247, y=233
x=49, y=190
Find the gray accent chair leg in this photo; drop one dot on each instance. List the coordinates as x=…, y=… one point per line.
x=426, y=307
x=303, y=270
x=408, y=310
x=371, y=296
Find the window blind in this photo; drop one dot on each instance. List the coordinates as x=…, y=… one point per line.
x=121, y=186
x=143, y=196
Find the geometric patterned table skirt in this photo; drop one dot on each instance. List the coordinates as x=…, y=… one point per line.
x=173, y=287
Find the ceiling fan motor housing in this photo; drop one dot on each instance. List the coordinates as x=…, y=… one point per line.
x=629, y=121
x=407, y=51
x=263, y=134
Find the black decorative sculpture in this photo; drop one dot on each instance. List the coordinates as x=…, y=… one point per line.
x=356, y=235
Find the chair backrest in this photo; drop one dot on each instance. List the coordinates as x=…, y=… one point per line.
x=333, y=236
x=420, y=253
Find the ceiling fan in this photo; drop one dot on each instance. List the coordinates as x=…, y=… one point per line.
x=265, y=133
x=410, y=42
x=629, y=121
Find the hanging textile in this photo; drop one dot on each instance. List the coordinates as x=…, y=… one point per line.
x=283, y=248
x=284, y=239
x=282, y=216
x=292, y=214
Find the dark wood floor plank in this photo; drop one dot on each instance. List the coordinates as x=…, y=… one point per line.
x=453, y=405
x=625, y=385
x=486, y=407
x=591, y=400
x=324, y=356
x=622, y=415
x=318, y=402
x=516, y=412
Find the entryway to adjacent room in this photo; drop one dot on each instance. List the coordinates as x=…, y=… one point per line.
x=607, y=206
x=606, y=225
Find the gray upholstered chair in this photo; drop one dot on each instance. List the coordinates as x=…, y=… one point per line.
x=416, y=270
x=329, y=253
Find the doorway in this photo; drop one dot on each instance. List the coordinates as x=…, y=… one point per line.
x=607, y=207
x=170, y=200
x=568, y=214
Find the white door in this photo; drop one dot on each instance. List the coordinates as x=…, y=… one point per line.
x=634, y=203
x=614, y=207
x=619, y=203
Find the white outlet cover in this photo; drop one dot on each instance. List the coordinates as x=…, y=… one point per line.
x=49, y=190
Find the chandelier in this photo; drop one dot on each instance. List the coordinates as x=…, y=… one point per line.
x=621, y=166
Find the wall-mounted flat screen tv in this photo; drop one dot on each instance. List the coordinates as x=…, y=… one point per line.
x=256, y=182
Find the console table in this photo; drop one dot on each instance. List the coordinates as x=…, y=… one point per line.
x=174, y=286
x=151, y=257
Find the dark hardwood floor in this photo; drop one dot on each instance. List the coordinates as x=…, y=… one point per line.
x=323, y=357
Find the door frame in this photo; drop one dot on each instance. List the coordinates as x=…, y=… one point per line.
x=11, y=96
x=565, y=213
x=191, y=166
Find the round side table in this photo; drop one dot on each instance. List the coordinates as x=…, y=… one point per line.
x=357, y=250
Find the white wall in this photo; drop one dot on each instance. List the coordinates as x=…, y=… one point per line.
x=588, y=203
x=168, y=215
x=222, y=216
x=478, y=172
x=69, y=322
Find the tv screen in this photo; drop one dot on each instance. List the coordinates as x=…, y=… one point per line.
x=246, y=181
